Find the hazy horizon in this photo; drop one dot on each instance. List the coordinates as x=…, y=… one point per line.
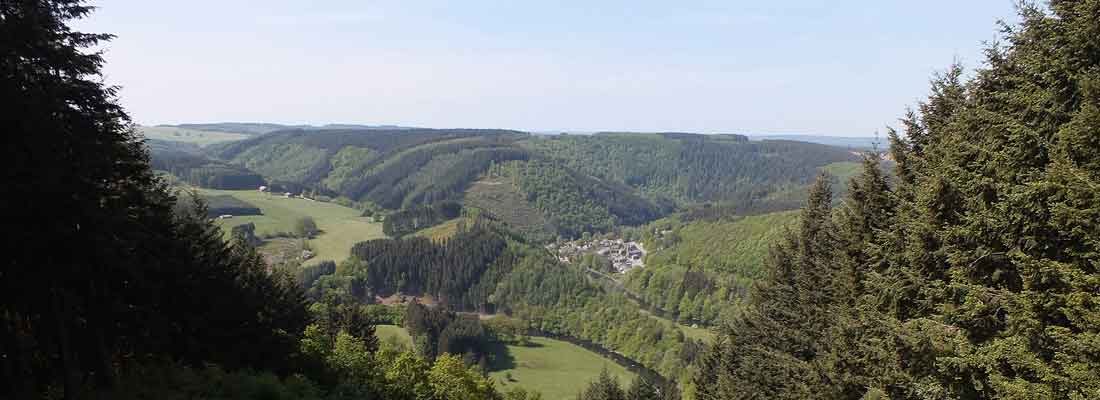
x=536, y=131
x=798, y=68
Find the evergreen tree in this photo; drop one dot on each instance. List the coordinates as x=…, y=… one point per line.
x=976, y=276
x=1002, y=209
x=643, y=389
x=605, y=387
x=774, y=348
x=115, y=274
x=860, y=356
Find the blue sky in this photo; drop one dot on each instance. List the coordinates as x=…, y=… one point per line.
x=843, y=68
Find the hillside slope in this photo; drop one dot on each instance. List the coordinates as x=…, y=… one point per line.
x=574, y=184
x=699, y=269
x=691, y=168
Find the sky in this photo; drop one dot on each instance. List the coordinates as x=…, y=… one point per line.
x=840, y=68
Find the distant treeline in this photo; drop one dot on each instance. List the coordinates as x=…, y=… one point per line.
x=203, y=172
x=689, y=168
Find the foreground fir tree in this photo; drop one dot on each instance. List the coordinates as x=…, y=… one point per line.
x=977, y=275
x=1002, y=228
x=772, y=350
x=606, y=387
x=110, y=275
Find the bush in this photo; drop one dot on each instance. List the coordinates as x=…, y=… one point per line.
x=305, y=227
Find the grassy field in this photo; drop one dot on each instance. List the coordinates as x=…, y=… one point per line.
x=341, y=227
x=557, y=369
x=441, y=231
x=201, y=138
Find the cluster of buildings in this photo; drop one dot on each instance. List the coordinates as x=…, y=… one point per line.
x=289, y=195
x=623, y=255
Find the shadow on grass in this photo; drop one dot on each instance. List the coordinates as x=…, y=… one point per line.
x=528, y=344
x=499, y=357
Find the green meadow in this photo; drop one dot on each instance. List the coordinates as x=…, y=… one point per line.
x=559, y=370
x=341, y=227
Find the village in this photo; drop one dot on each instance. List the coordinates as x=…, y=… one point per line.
x=623, y=255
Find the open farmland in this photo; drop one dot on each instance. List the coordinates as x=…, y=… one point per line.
x=341, y=227
x=559, y=370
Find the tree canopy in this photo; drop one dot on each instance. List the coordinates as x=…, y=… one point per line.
x=972, y=274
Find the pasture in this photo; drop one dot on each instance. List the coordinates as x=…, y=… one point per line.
x=341, y=227
x=559, y=370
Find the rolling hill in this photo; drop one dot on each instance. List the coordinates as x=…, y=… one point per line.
x=545, y=186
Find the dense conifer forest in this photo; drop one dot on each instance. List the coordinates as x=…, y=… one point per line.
x=972, y=272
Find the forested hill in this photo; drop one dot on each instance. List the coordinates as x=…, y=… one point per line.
x=575, y=184
x=688, y=168
x=392, y=169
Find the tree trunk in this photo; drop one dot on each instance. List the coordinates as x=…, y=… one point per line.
x=69, y=368
x=105, y=372
x=15, y=359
